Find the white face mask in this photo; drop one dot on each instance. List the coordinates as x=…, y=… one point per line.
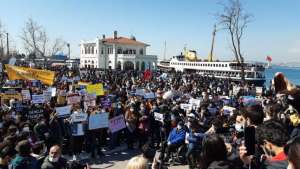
x=239, y=127
x=131, y=109
x=51, y=159
x=179, y=127
x=26, y=129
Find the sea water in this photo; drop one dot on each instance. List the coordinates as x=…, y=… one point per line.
x=293, y=74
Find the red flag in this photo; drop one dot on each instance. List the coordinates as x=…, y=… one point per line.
x=269, y=59
x=147, y=74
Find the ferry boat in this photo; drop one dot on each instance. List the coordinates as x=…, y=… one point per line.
x=254, y=72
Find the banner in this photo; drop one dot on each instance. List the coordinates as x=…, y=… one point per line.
x=97, y=121
x=95, y=89
x=25, y=73
x=36, y=99
x=5, y=96
x=63, y=111
x=117, y=123
x=26, y=95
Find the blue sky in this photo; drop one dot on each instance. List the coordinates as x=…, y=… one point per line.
x=275, y=29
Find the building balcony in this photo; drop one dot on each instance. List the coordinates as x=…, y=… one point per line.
x=135, y=56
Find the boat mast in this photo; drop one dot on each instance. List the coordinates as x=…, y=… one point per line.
x=165, y=49
x=210, y=57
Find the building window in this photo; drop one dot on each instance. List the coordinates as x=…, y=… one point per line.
x=92, y=50
x=85, y=61
x=133, y=51
x=141, y=52
x=96, y=51
x=102, y=50
x=119, y=51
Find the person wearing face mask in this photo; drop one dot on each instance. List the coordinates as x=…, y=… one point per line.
x=39, y=151
x=271, y=137
x=41, y=130
x=131, y=120
x=54, y=159
x=175, y=140
x=143, y=126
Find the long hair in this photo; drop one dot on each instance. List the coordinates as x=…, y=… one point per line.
x=213, y=149
x=292, y=150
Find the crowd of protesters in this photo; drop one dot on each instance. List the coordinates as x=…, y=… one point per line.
x=209, y=134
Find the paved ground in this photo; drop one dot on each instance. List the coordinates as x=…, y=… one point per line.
x=116, y=159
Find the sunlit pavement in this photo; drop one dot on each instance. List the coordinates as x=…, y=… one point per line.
x=116, y=158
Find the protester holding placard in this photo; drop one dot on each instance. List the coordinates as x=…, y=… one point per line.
x=131, y=119
x=78, y=131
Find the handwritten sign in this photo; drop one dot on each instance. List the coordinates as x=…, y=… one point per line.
x=97, y=121
x=95, y=89
x=37, y=99
x=63, y=111
x=117, y=123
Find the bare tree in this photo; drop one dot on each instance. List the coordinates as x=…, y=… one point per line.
x=34, y=38
x=235, y=20
x=58, y=45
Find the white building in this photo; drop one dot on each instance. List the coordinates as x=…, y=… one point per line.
x=116, y=53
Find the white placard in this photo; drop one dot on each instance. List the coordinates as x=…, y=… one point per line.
x=36, y=99
x=26, y=95
x=63, y=111
x=195, y=102
x=259, y=90
x=158, y=117
x=149, y=95
x=139, y=92
x=186, y=106
x=78, y=117
x=74, y=99
x=53, y=91
x=47, y=95
x=99, y=120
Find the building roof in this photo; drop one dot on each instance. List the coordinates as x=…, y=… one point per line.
x=124, y=40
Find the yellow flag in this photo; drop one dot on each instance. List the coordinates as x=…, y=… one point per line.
x=95, y=89
x=25, y=73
